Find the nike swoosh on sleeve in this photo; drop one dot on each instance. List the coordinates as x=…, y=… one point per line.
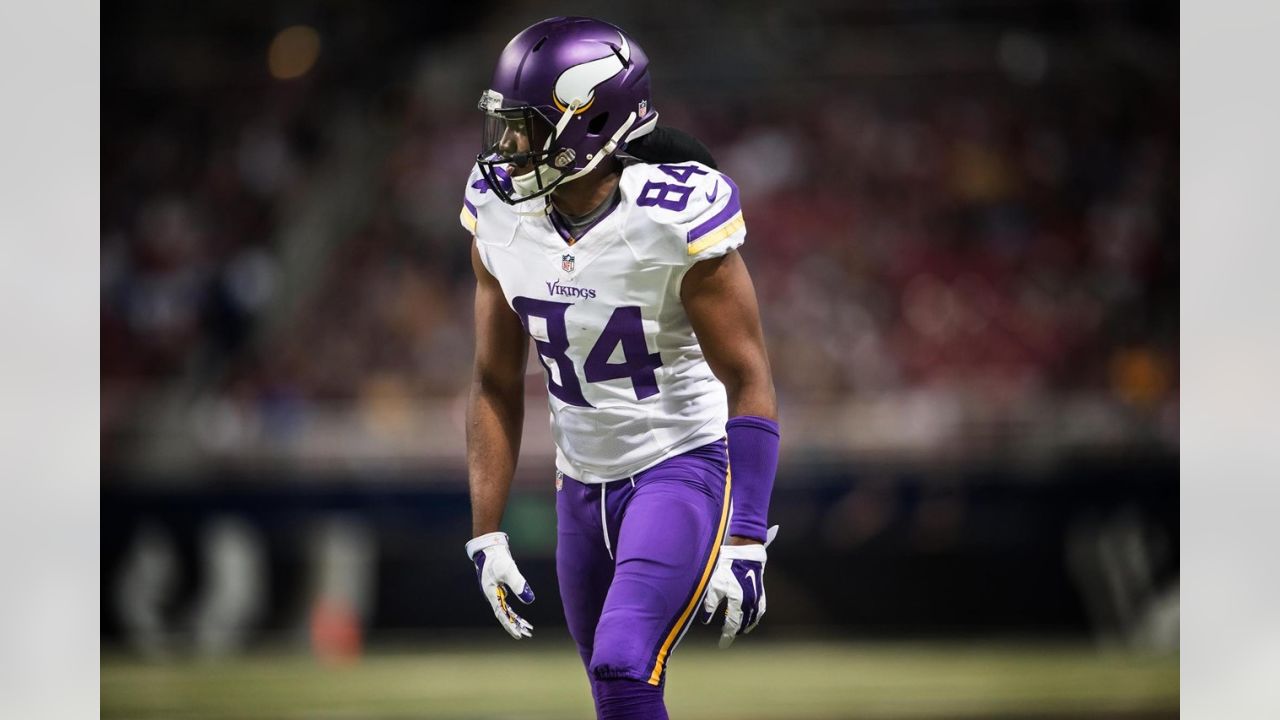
x=711, y=196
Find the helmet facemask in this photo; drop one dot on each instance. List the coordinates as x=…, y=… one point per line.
x=583, y=80
x=516, y=156
x=519, y=158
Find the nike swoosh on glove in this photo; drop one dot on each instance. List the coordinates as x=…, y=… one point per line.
x=739, y=580
x=498, y=576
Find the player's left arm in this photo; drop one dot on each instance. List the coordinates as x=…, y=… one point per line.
x=720, y=301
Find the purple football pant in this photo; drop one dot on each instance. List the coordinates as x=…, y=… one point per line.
x=665, y=526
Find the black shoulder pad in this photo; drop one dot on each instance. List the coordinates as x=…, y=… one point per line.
x=669, y=145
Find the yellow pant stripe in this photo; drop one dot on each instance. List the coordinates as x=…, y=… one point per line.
x=656, y=676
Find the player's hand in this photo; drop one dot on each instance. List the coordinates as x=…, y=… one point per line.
x=738, y=579
x=499, y=578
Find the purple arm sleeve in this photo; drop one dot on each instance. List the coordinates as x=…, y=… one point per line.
x=753, y=461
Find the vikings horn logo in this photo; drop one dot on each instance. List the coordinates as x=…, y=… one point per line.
x=579, y=82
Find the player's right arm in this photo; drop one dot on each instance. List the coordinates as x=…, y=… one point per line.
x=495, y=417
x=495, y=410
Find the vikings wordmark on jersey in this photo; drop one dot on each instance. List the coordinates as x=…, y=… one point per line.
x=628, y=383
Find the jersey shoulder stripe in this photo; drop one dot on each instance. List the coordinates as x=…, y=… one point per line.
x=724, y=223
x=468, y=217
x=693, y=212
x=474, y=197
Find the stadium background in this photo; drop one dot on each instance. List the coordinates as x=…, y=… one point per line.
x=962, y=229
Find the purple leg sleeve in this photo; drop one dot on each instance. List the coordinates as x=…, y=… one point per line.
x=627, y=615
x=629, y=700
x=753, y=457
x=668, y=541
x=584, y=569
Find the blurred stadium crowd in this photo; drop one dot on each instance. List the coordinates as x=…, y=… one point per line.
x=957, y=243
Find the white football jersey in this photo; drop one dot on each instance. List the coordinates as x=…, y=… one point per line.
x=629, y=386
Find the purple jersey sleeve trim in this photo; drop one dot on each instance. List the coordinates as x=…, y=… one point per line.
x=731, y=208
x=470, y=208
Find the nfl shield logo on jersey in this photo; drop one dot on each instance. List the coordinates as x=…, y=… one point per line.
x=566, y=263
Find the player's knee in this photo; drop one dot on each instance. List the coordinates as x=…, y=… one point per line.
x=626, y=699
x=619, y=660
x=626, y=640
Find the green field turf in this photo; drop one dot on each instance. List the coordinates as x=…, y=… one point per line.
x=799, y=681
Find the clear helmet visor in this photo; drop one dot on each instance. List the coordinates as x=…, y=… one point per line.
x=520, y=136
x=515, y=148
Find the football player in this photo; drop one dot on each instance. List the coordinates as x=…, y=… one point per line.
x=625, y=275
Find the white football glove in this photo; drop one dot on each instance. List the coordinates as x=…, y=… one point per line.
x=498, y=576
x=739, y=579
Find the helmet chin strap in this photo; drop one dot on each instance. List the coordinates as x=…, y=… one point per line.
x=605, y=151
x=532, y=182
x=644, y=129
x=565, y=118
x=529, y=182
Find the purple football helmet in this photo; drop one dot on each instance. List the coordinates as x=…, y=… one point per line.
x=567, y=93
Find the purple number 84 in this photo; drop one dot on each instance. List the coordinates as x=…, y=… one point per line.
x=669, y=196
x=625, y=328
